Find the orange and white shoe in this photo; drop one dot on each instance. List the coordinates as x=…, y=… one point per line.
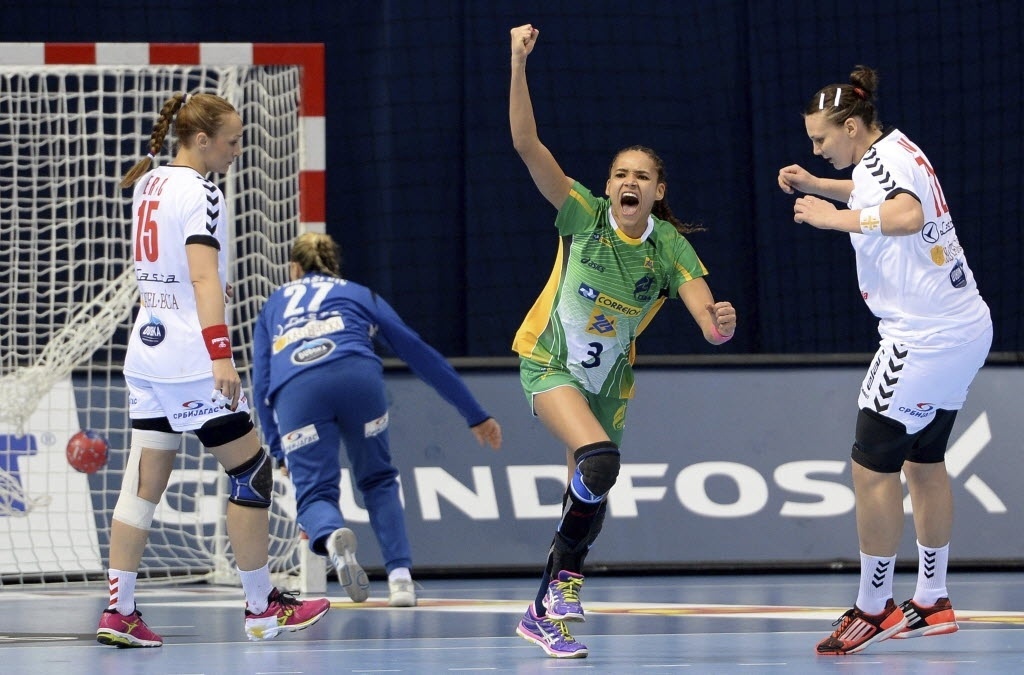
x=924, y=621
x=856, y=630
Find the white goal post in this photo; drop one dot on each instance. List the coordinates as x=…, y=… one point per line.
x=73, y=118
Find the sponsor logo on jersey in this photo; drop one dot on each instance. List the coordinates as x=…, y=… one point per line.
x=194, y=408
x=592, y=264
x=155, y=277
x=869, y=381
x=375, y=427
x=919, y=410
x=932, y=231
x=619, y=419
x=598, y=237
x=957, y=276
x=642, y=289
x=940, y=255
x=311, y=351
x=601, y=324
x=588, y=292
x=293, y=440
x=159, y=300
x=614, y=305
x=152, y=332
x=313, y=329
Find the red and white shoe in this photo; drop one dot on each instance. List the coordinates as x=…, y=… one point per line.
x=118, y=630
x=284, y=613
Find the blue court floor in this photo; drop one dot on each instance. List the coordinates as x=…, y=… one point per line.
x=648, y=625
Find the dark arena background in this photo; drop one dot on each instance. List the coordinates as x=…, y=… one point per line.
x=435, y=210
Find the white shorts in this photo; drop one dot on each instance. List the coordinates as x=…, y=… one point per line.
x=186, y=405
x=908, y=384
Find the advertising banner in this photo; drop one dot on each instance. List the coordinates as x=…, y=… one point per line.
x=720, y=467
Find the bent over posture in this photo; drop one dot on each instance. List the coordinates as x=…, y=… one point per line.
x=180, y=351
x=318, y=383
x=935, y=333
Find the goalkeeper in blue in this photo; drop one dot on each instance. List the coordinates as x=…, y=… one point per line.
x=319, y=383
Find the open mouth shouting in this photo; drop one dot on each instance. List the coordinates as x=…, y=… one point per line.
x=629, y=203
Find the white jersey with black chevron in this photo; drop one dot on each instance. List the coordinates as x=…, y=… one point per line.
x=172, y=206
x=919, y=286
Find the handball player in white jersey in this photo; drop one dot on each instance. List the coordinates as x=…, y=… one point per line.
x=935, y=332
x=181, y=375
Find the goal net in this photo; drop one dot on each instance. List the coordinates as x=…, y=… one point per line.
x=68, y=297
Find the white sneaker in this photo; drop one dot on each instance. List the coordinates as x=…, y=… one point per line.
x=341, y=548
x=403, y=593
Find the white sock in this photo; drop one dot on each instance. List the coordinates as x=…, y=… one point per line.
x=932, y=564
x=876, y=575
x=122, y=590
x=257, y=586
x=400, y=574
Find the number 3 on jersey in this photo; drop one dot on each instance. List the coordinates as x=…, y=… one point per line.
x=595, y=355
x=146, y=241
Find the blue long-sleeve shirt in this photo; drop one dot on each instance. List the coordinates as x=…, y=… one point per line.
x=317, y=321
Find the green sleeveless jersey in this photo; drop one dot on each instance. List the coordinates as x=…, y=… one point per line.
x=604, y=290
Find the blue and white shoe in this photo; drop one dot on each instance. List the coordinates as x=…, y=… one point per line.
x=562, y=600
x=552, y=636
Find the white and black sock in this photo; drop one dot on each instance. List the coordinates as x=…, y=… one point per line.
x=876, y=575
x=931, y=574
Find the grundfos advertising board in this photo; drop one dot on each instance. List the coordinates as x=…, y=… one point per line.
x=719, y=467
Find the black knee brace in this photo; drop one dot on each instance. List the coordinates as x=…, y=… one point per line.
x=881, y=444
x=597, y=468
x=224, y=429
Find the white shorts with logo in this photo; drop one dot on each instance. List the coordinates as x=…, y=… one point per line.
x=186, y=405
x=908, y=384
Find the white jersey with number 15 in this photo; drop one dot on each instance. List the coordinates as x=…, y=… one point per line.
x=171, y=207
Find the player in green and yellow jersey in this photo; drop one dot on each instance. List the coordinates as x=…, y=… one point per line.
x=619, y=258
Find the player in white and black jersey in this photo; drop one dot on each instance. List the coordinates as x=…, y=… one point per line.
x=181, y=375
x=935, y=332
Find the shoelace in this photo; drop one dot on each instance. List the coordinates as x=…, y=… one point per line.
x=284, y=598
x=561, y=628
x=571, y=589
x=564, y=631
x=843, y=622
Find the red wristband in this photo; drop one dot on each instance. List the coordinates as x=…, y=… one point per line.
x=217, y=342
